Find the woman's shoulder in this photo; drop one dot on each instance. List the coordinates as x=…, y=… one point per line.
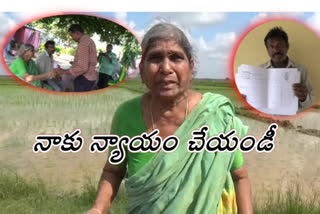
x=129, y=107
x=17, y=61
x=224, y=111
x=215, y=96
x=18, y=65
x=207, y=97
x=130, y=103
x=128, y=118
x=214, y=106
x=218, y=102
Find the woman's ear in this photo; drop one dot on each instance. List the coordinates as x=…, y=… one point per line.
x=141, y=71
x=191, y=63
x=192, y=66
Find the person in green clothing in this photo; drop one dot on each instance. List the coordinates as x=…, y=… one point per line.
x=122, y=76
x=107, y=62
x=25, y=68
x=179, y=181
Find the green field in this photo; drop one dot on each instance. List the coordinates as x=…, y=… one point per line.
x=18, y=196
x=55, y=182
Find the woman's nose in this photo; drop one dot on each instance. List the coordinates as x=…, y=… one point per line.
x=165, y=66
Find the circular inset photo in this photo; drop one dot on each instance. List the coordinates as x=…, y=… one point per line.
x=275, y=67
x=71, y=53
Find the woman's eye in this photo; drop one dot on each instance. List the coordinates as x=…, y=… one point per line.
x=154, y=58
x=176, y=57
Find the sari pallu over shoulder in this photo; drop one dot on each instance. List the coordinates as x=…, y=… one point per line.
x=183, y=182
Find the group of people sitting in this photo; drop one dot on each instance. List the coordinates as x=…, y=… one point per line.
x=45, y=73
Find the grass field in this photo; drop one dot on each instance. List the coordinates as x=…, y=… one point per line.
x=18, y=196
x=56, y=182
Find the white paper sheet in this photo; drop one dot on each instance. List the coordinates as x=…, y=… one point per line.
x=269, y=90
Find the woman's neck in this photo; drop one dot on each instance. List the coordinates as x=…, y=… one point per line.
x=26, y=60
x=166, y=113
x=168, y=105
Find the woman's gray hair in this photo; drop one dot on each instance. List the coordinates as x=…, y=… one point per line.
x=166, y=32
x=24, y=48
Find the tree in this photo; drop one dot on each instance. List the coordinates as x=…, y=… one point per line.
x=108, y=31
x=131, y=51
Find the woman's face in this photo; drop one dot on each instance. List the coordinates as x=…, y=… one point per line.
x=166, y=70
x=29, y=54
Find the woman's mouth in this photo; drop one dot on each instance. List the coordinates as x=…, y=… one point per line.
x=166, y=84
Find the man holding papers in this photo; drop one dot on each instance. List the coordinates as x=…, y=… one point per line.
x=277, y=44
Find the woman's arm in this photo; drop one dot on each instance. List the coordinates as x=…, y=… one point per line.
x=108, y=187
x=243, y=190
x=30, y=78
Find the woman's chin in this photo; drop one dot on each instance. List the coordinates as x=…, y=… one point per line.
x=169, y=94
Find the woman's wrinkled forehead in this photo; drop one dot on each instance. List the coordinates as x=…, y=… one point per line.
x=30, y=49
x=156, y=42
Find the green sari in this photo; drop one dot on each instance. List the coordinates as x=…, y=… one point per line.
x=191, y=183
x=19, y=67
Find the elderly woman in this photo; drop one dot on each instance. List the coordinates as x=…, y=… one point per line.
x=25, y=68
x=179, y=181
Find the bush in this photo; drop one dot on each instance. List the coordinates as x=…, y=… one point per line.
x=71, y=51
x=59, y=50
x=41, y=48
x=100, y=50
